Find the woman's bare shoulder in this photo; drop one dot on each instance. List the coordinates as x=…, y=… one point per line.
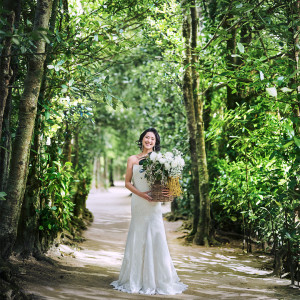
x=132, y=160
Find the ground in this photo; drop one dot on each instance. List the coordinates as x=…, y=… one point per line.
x=86, y=272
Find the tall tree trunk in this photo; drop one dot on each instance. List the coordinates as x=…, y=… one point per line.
x=202, y=235
x=190, y=112
x=98, y=171
x=10, y=209
x=231, y=44
x=105, y=177
x=295, y=11
x=111, y=172
x=80, y=198
x=28, y=241
x=5, y=150
x=5, y=71
x=6, y=139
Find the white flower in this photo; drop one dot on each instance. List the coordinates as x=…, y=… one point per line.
x=159, y=156
x=162, y=160
x=168, y=155
x=153, y=156
x=182, y=163
x=174, y=164
x=167, y=166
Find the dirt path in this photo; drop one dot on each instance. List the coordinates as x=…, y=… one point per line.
x=211, y=273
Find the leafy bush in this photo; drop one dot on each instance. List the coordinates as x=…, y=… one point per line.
x=58, y=207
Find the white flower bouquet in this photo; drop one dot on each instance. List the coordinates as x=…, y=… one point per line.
x=164, y=170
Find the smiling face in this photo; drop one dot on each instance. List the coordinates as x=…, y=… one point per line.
x=149, y=140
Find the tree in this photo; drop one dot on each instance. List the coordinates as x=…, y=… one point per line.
x=10, y=208
x=202, y=236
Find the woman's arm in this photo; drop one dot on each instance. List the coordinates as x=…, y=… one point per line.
x=131, y=161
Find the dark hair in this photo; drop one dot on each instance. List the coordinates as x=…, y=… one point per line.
x=157, y=139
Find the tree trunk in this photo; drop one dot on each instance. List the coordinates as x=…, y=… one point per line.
x=5, y=70
x=231, y=43
x=295, y=58
x=111, y=172
x=28, y=241
x=98, y=171
x=80, y=198
x=10, y=209
x=202, y=235
x=5, y=151
x=191, y=120
x=6, y=139
x=105, y=177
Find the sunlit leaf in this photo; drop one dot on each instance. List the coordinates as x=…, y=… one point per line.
x=286, y=90
x=2, y=196
x=241, y=47
x=297, y=141
x=272, y=91
x=261, y=75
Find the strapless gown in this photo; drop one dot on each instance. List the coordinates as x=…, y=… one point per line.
x=147, y=267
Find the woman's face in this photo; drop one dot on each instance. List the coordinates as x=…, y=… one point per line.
x=149, y=140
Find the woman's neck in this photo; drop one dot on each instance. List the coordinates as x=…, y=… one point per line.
x=145, y=153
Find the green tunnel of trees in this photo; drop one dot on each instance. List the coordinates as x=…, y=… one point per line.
x=219, y=80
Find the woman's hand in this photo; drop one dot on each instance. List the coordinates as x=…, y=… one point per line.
x=166, y=192
x=146, y=196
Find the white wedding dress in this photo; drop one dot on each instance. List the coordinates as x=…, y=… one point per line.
x=147, y=266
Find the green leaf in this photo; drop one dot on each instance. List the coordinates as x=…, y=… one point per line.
x=272, y=91
x=261, y=75
x=288, y=144
x=286, y=90
x=272, y=154
x=288, y=236
x=297, y=141
x=47, y=115
x=15, y=41
x=2, y=195
x=290, y=130
x=241, y=47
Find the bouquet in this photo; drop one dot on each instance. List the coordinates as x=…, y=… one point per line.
x=164, y=169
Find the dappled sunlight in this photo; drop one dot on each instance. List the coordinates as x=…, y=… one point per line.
x=101, y=258
x=215, y=273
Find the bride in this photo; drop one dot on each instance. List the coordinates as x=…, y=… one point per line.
x=147, y=267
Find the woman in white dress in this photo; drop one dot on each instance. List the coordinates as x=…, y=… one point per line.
x=147, y=266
